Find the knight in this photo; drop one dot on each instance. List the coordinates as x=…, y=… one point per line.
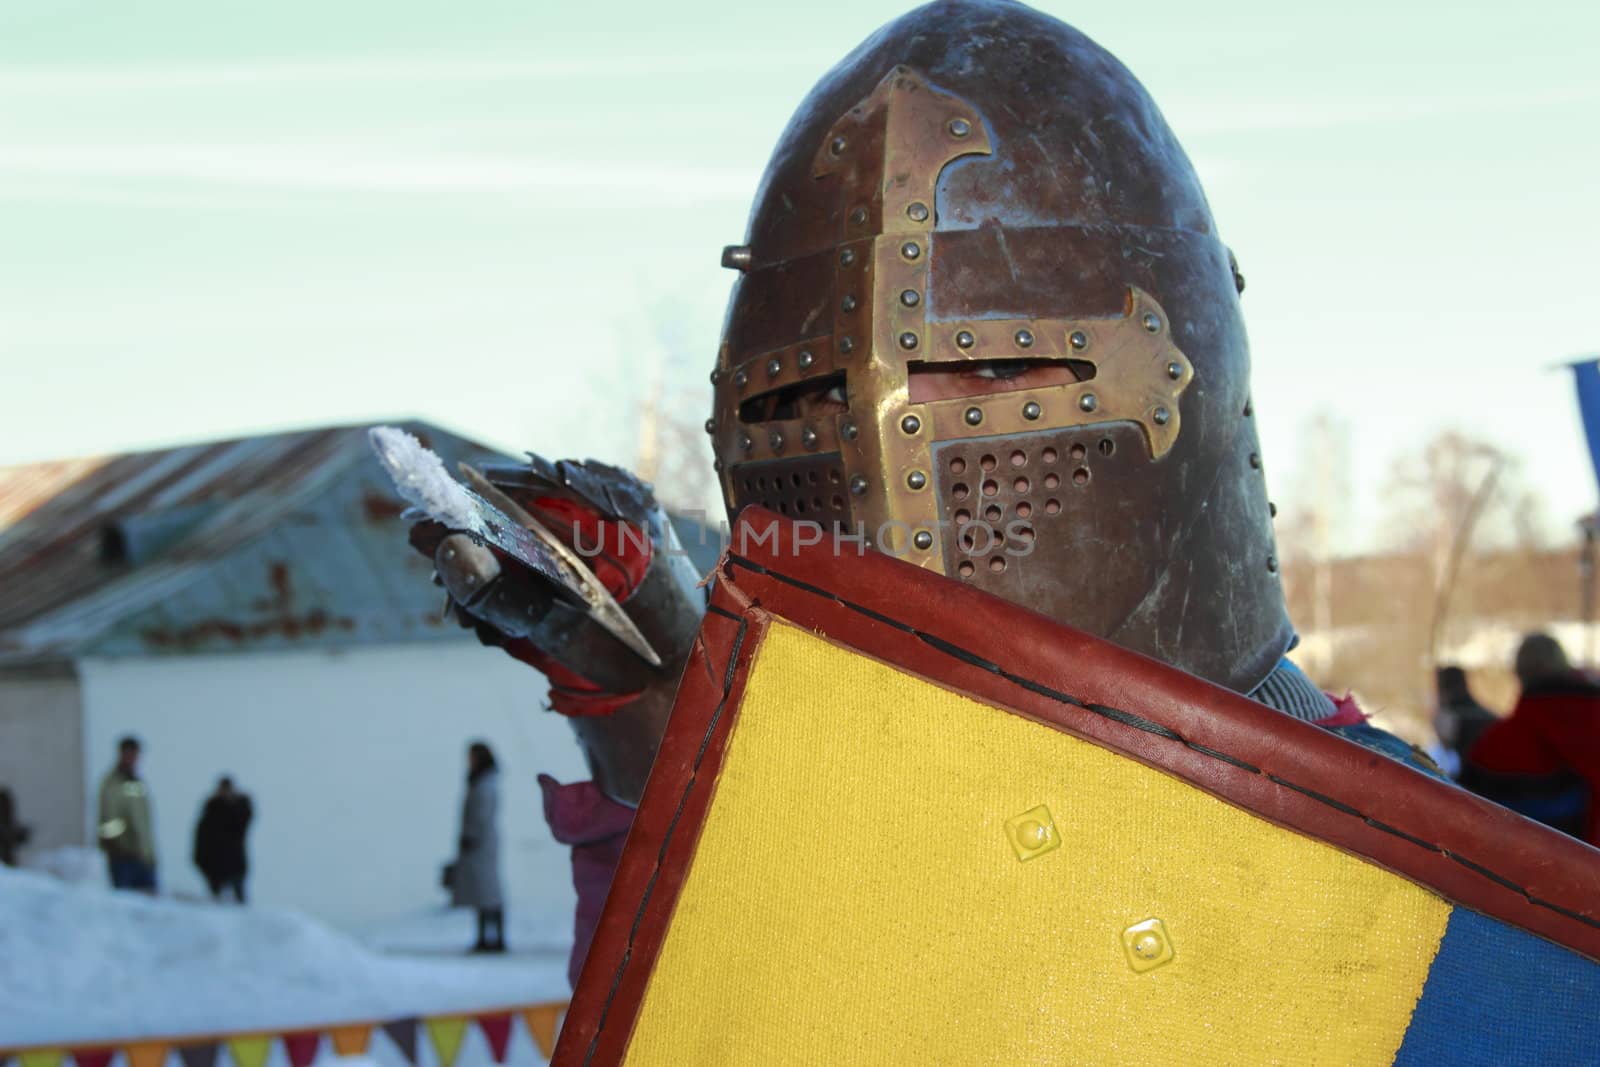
x=982, y=321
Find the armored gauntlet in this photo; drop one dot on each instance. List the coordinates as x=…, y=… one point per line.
x=610, y=522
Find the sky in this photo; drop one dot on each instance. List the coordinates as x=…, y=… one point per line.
x=225, y=219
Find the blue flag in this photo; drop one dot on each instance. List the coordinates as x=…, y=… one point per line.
x=1588, y=375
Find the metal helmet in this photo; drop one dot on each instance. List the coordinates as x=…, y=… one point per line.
x=984, y=319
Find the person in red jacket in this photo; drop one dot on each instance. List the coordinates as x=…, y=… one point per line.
x=1554, y=727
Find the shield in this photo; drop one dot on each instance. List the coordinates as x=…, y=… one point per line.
x=898, y=820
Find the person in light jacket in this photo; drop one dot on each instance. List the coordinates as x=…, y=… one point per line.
x=125, y=827
x=476, y=879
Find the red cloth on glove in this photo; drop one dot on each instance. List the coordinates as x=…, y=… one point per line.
x=619, y=553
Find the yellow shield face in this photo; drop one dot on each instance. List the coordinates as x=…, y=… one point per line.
x=869, y=839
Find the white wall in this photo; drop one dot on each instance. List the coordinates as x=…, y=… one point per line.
x=41, y=755
x=356, y=762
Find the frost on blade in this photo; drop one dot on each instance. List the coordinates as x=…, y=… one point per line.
x=421, y=479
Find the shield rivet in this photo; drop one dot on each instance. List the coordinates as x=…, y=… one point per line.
x=741, y=379
x=745, y=442
x=964, y=339
x=808, y=438
x=1160, y=416
x=848, y=303
x=858, y=484
x=918, y=211
x=908, y=340
x=847, y=257
x=1174, y=370
x=1147, y=944
x=838, y=145
x=847, y=345
x=848, y=431
x=1151, y=322
x=774, y=365
x=911, y=250
x=806, y=359
x=1087, y=402
x=1031, y=410
x=775, y=439
x=910, y=298
x=923, y=540
x=974, y=416
x=960, y=127
x=858, y=216
x=1079, y=340
x=916, y=480
x=1024, y=338
x=910, y=424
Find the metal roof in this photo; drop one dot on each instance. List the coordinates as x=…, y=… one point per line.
x=275, y=541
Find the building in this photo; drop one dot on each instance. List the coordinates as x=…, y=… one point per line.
x=252, y=608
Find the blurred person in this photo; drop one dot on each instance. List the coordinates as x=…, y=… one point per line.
x=125, y=828
x=219, y=850
x=1458, y=718
x=475, y=879
x=13, y=835
x=1554, y=729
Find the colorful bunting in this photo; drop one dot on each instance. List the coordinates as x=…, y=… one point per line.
x=147, y=1054
x=541, y=1020
x=403, y=1032
x=301, y=1048
x=250, y=1050
x=203, y=1054
x=446, y=1033
x=497, y=1031
x=352, y=1040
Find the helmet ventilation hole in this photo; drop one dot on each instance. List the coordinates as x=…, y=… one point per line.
x=988, y=463
x=1052, y=480
x=1019, y=458
x=1048, y=455
x=1080, y=476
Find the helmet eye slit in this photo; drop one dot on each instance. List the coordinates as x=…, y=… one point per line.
x=819, y=396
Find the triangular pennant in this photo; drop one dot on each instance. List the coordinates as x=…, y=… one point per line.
x=352, y=1040
x=541, y=1020
x=92, y=1057
x=497, y=1031
x=201, y=1055
x=42, y=1057
x=250, y=1050
x=403, y=1032
x=301, y=1048
x=446, y=1034
x=147, y=1054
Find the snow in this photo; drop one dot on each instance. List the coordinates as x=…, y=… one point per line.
x=79, y=964
x=420, y=477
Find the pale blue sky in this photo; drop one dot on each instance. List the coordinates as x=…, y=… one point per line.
x=219, y=219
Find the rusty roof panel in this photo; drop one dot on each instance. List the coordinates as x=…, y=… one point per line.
x=276, y=541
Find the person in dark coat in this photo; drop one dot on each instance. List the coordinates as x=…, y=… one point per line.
x=475, y=882
x=219, y=840
x=13, y=835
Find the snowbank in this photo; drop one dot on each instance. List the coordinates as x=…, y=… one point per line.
x=80, y=964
